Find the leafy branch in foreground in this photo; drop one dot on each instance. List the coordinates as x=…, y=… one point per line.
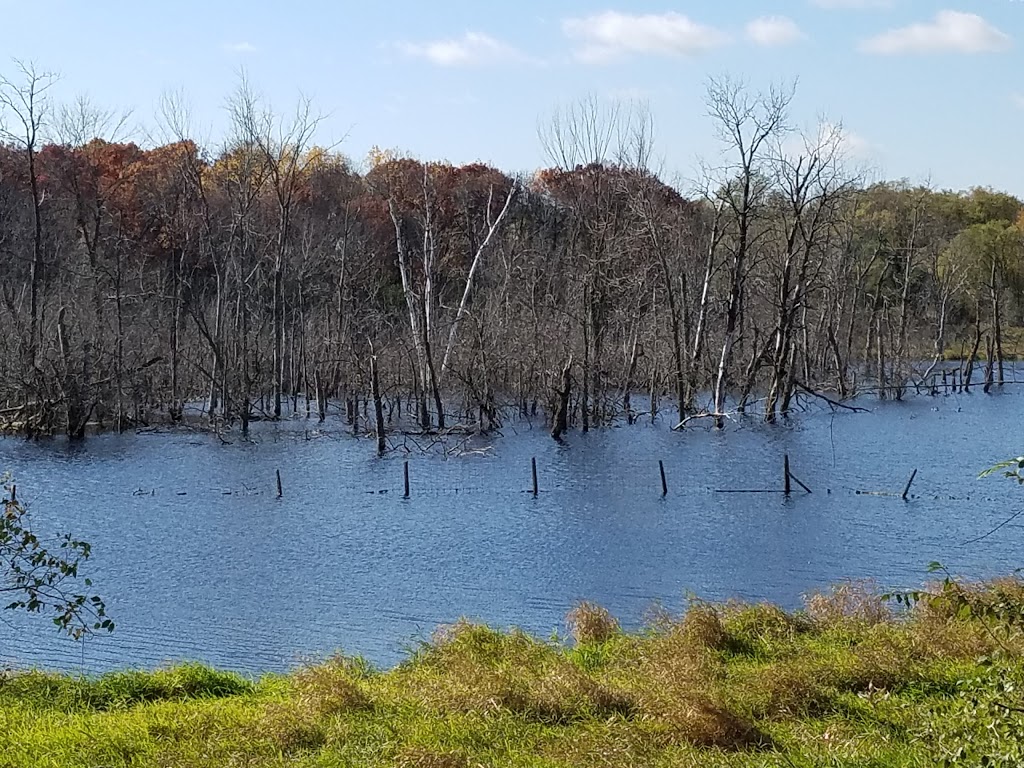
x=1016, y=464
x=40, y=577
x=988, y=708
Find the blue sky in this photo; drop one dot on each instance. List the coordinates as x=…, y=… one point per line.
x=926, y=90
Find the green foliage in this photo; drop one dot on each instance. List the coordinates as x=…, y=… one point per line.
x=39, y=576
x=1012, y=469
x=978, y=727
x=982, y=723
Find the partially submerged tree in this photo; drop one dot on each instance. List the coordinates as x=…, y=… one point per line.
x=748, y=125
x=191, y=283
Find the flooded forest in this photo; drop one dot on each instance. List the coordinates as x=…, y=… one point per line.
x=162, y=281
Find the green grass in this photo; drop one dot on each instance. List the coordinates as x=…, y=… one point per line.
x=845, y=682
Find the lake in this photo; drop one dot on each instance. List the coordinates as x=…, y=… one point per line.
x=198, y=559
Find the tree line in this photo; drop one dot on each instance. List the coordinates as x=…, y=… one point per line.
x=270, y=277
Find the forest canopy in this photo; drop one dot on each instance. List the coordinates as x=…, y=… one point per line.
x=268, y=276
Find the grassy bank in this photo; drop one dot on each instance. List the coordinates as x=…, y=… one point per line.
x=843, y=683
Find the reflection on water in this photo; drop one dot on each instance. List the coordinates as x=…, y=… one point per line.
x=198, y=559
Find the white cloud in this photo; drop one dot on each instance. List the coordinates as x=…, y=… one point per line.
x=473, y=48
x=949, y=31
x=830, y=135
x=858, y=5
x=606, y=35
x=1018, y=98
x=773, y=31
x=856, y=145
x=242, y=47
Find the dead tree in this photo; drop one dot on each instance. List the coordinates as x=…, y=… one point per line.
x=747, y=125
x=560, y=423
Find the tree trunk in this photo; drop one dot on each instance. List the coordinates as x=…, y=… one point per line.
x=278, y=320
x=378, y=406
x=560, y=424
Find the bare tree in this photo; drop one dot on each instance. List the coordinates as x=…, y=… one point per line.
x=747, y=124
x=284, y=146
x=811, y=181
x=25, y=111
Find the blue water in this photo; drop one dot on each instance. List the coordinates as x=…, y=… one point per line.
x=198, y=559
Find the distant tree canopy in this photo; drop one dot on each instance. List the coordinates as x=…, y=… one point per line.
x=261, y=278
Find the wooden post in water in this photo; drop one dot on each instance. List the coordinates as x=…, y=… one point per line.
x=785, y=468
x=406, y=495
x=14, y=494
x=910, y=482
x=533, y=469
x=664, y=483
x=280, y=492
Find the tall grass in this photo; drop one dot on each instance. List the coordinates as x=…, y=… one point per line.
x=845, y=682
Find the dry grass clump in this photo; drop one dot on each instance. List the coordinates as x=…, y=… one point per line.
x=319, y=692
x=894, y=656
x=935, y=637
x=847, y=604
x=885, y=660
x=678, y=659
x=808, y=683
x=447, y=634
x=329, y=688
x=702, y=626
x=465, y=640
x=761, y=624
x=788, y=688
x=590, y=623
x=471, y=668
x=559, y=695
x=678, y=674
x=290, y=729
x=602, y=745
x=564, y=694
x=700, y=721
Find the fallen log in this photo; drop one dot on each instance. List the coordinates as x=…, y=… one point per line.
x=834, y=403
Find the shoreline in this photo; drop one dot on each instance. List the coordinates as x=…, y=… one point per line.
x=848, y=679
